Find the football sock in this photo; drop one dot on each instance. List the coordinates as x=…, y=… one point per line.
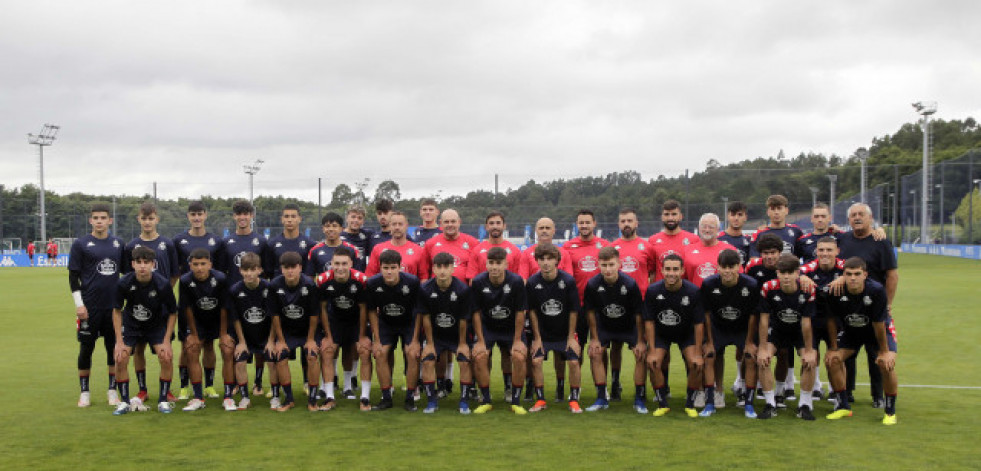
x=710, y=394
x=430, y=391
x=574, y=394
x=516, y=394
x=258, y=375
x=141, y=379
x=312, y=394
x=540, y=393
x=366, y=389
x=750, y=396
x=891, y=404
x=164, y=389
x=806, y=399
x=348, y=376
x=465, y=390
x=559, y=384
x=690, y=398
x=770, y=398
x=661, y=394
x=507, y=381
x=228, y=390
x=485, y=394
x=842, y=402
x=387, y=394
x=184, y=374
x=243, y=389
x=83, y=382
x=329, y=388
x=197, y=390
x=112, y=381
x=615, y=376
x=601, y=391
x=288, y=391
x=209, y=377
x=779, y=388
x=275, y=389
x=123, y=390
x=640, y=391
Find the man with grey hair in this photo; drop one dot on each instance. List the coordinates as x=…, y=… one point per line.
x=880, y=258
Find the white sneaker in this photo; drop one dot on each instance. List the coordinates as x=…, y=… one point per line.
x=720, y=399
x=121, y=408
x=699, y=399
x=274, y=403
x=136, y=405
x=244, y=403
x=193, y=405
x=112, y=396
x=84, y=399
x=164, y=407
x=229, y=404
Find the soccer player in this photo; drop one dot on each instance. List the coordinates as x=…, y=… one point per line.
x=824, y=269
x=785, y=322
x=733, y=235
x=245, y=240
x=731, y=302
x=197, y=237
x=355, y=234
x=544, y=233
x=321, y=255
x=453, y=242
x=383, y=212
x=144, y=312
x=249, y=308
x=294, y=303
x=202, y=304
x=880, y=260
x=673, y=313
x=167, y=265
x=764, y=268
x=445, y=307
x=672, y=239
x=499, y=319
x=30, y=252
x=413, y=258
x=777, y=208
x=342, y=294
x=863, y=314
x=52, y=249
x=702, y=257
x=391, y=301
x=429, y=228
x=614, y=307
x=495, y=225
x=290, y=240
x=93, y=271
x=553, y=305
x=806, y=245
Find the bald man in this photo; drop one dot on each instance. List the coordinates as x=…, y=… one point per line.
x=544, y=232
x=453, y=242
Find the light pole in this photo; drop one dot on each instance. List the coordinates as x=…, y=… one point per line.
x=925, y=109
x=831, y=200
x=45, y=138
x=814, y=196
x=940, y=188
x=913, y=192
x=251, y=170
x=863, y=155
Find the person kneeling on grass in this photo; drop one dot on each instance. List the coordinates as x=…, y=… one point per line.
x=145, y=312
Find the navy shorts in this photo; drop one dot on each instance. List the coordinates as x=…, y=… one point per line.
x=665, y=342
x=606, y=338
x=258, y=351
x=724, y=338
x=392, y=335
x=503, y=340
x=560, y=348
x=445, y=346
x=99, y=324
x=854, y=340
x=133, y=336
x=344, y=333
x=819, y=332
x=208, y=329
x=786, y=338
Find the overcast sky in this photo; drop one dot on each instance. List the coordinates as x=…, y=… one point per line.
x=442, y=95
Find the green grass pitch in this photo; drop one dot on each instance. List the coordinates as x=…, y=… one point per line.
x=938, y=331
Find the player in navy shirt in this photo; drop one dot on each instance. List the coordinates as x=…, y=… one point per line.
x=673, y=313
x=383, y=210
x=553, y=306
x=290, y=240
x=197, y=237
x=144, y=312
x=445, y=307
x=344, y=312
x=202, y=304
x=825, y=268
x=785, y=322
x=777, y=208
x=732, y=302
x=355, y=234
x=294, y=303
x=614, y=309
x=320, y=256
x=428, y=212
x=806, y=245
x=499, y=319
x=862, y=312
x=93, y=271
x=733, y=235
x=249, y=308
x=391, y=301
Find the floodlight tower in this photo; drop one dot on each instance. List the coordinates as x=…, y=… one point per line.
x=831, y=199
x=45, y=138
x=251, y=170
x=925, y=109
x=863, y=155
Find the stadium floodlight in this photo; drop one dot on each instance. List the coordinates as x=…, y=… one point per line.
x=45, y=138
x=831, y=199
x=863, y=155
x=925, y=109
x=814, y=196
x=251, y=170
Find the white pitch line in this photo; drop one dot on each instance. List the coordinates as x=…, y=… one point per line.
x=929, y=386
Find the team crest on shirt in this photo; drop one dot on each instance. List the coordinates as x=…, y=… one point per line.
x=623, y=290
x=790, y=232
x=857, y=320
x=587, y=263
x=685, y=241
x=499, y=312
x=506, y=289
x=453, y=296
x=153, y=293
x=599, y=245
x=788, y=316
x=361, y=235
x=802, y=299
x=193, y=285
x=303, y=244
x=211, y=241
x=629, y=264
x=141, y=313
x=668, y=317
x=344, y=302
x=684, y=301
x=466, y=245
x=254, y=315
x=304, y=291
x=614, y=311
x=867, y=301
x=552, y=307
x=444, y=320
x=354, y=289
x=777, y=298
x=214, y=282
x=162, y=246
x=207, y=303
x=293, y=311
x=255, y=241
x=745, y=292
x=561, y=284
x=115, y=244
x=729, y=313
x=265, y=293
x=410, y=252
x=106, y=267
x=405, y=289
